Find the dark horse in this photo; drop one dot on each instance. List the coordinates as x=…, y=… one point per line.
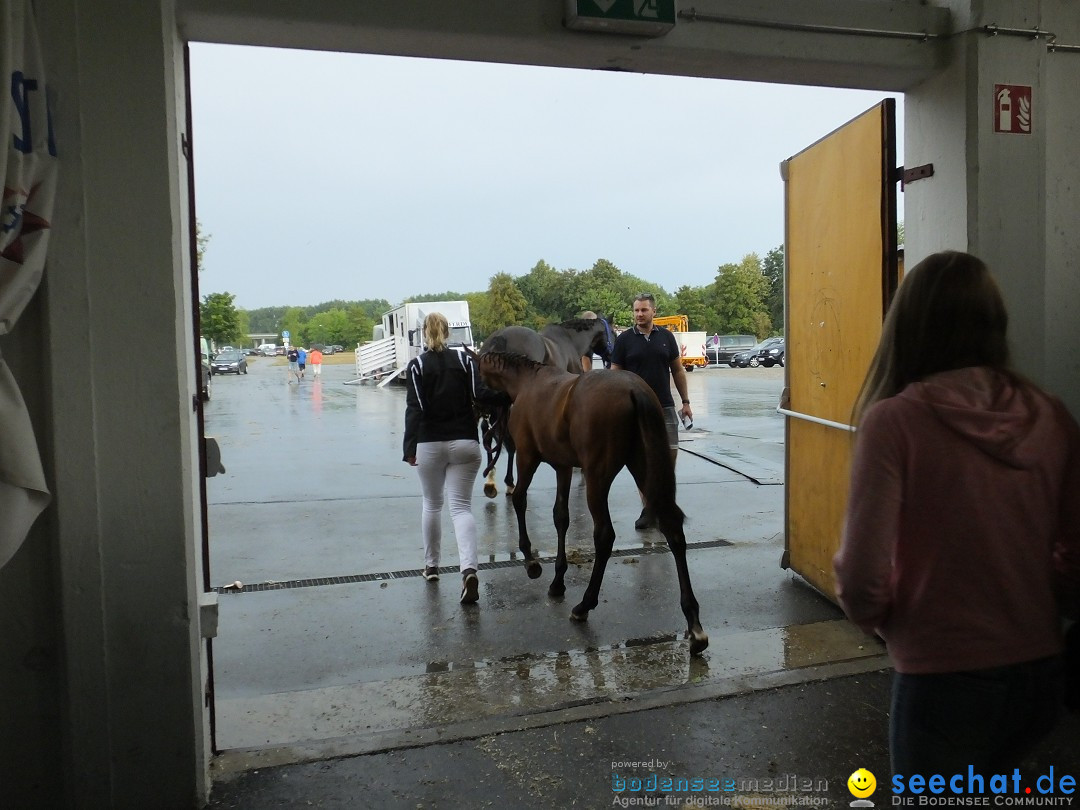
x=600, y=422
x=558, y=344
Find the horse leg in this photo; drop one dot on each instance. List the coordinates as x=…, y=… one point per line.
x=489, y=484
x=671, y=526
x=526, y=470
x=509, y=480
x=561, y=514
x=596, y=493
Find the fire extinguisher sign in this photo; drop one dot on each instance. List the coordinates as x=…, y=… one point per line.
x=1012, y=108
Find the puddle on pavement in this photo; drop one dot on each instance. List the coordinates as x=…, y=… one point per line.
x=454, y=692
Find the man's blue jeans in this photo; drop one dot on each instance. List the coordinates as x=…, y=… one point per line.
x=989, y=719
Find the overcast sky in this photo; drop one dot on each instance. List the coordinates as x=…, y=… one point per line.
x=324, y=175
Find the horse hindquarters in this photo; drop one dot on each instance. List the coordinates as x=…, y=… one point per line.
x=659, y=489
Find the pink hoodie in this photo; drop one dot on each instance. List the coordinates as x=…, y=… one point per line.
x=963, y=519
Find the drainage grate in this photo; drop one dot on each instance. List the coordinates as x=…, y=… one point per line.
x=448, y=569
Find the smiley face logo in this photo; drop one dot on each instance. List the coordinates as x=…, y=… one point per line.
x=861, y=783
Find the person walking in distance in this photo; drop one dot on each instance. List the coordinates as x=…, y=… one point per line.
x=293, y=356
x=301, y=360
x=961, y=545
x=315, y=358
x=441, y=441
x=653, y=354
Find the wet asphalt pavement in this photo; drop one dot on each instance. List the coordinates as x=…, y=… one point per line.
x=336, y=647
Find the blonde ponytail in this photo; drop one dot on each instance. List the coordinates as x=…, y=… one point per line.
x=436, y=331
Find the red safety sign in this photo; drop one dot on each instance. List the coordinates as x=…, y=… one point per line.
x=1012, y=108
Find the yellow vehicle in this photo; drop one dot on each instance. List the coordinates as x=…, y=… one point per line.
x=675, y=323
x=691, y=344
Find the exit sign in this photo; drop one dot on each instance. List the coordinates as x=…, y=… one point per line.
x=649, y=18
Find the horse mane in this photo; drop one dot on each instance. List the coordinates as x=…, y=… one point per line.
x=512, y=360
x=579, y=324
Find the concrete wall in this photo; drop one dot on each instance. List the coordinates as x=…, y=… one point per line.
x=1061, y=228
x=107, y=701
x=101, y=681
x=1008, y=198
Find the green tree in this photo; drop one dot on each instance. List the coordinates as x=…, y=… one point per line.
x=542, y=287
x=327, y=327
x=266, y=319
x=772, y=266
x=692, y=302
x=361, y=322
x=443, y=296
x=201, y=241
x=604, y=289
x=293, y=322
x=244, y=324
x=738, y=297
x=220, y=319
x=478, y=313
x=505, y=305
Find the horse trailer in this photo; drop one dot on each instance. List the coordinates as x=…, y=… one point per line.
x=400, y=338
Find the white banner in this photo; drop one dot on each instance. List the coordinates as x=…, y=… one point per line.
x=28, y=172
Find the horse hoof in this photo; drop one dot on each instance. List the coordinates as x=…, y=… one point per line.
x=698, y=643
x=556, y=590
x=578, y=617
x=490, y=491
x=533, y=569
x=509, y=491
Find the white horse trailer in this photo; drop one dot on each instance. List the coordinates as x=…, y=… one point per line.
x=400, y=338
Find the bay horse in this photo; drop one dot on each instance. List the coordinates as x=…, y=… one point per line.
x=600, y=422
x=558, y=344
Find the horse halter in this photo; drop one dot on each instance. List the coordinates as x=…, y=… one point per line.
x=609, y=341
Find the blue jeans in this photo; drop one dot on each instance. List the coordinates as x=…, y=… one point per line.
x=989, y=719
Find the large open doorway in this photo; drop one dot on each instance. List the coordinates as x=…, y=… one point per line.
x=317, y=518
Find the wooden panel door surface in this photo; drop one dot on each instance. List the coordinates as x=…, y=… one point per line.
x=841, y=271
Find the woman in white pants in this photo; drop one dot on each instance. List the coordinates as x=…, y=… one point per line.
x=441, y=440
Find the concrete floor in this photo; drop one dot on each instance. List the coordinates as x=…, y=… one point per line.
x=336, y=647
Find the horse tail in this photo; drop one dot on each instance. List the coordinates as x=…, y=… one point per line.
x=655, y=450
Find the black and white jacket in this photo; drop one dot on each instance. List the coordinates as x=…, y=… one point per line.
x=440, y=388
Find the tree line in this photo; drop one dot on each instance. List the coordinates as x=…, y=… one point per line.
x=744, y=298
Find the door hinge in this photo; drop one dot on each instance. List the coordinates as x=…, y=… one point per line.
x=915, y=173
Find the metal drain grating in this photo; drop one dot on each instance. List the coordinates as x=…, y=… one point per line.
x=446, y=569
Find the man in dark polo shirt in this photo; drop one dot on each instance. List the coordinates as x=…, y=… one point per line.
x=653, y=354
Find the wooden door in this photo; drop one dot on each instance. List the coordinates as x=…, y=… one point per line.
x=840, y=274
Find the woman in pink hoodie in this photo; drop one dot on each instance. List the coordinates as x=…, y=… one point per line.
x=962, y=539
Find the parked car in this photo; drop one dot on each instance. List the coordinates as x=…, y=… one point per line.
x=772, y=353
x=204, y=371
x=231, y=362
x=720, y=349
x=337, y=347
x=746, y=359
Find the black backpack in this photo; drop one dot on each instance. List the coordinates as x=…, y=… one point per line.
x=293, y=355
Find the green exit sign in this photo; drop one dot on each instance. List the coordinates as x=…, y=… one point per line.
x=649, y=18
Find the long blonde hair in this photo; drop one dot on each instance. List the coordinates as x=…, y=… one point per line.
x=436, y=331
x=948, y=313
